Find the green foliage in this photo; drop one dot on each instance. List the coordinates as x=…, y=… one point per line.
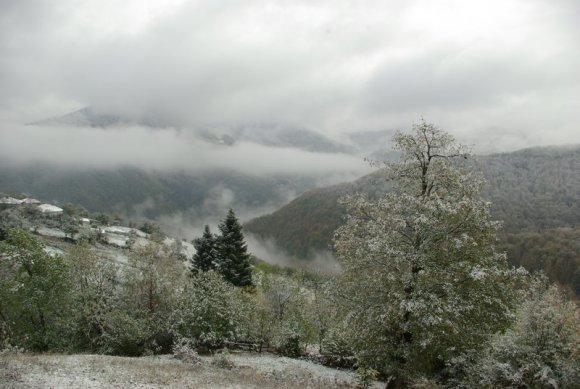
x=95, y=300
x=534, y=192
x=102, y=219
x=421, y=279
x=226, y=253
x=365, y=377
x=128, y=188
x=150, y=228
x=290, y=346
x=555, y=252
x=152, y=291
x=337, y=347
x=541, y=350
x=232, y=252
x=534, y=189
x=283, y=314
x=34, y=293
x=206, y=255
x=210, y=311
x=306, y=224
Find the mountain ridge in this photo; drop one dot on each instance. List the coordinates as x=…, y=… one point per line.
x=528, y=169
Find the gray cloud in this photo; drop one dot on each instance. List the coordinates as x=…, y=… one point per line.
x=335, y=66
x=454, y=81
x=163, y=150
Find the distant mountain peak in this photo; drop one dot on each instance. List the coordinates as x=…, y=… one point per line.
x=84, y=117
x=228, y=134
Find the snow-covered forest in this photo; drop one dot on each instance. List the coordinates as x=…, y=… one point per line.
x=423, y=299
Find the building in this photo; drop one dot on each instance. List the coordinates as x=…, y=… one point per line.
x=50, y=209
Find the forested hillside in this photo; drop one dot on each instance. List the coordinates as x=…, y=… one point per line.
x=138, y=192
x=533, y=191
x=307, y=223
x=424, y=298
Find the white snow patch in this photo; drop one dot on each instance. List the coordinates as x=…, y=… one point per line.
x=120, y=230
x=51, y=232
x=49, y=208
x=10, y=200
x=115, y=240
x=53, y=251
x=30, y=200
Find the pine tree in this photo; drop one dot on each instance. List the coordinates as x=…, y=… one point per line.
x=421, y=280
x=206, y=255
x=234, y=260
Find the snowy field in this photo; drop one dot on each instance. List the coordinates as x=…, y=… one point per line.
x=100, y=371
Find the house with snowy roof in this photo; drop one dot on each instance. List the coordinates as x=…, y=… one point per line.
x=10, y=200
x=50, y=209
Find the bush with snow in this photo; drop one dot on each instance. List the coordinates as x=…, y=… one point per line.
x=184, y=350
x=541, y=350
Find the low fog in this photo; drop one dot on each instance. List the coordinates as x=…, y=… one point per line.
x=166, y=149
x=499, y=75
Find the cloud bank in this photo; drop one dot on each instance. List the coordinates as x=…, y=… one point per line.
x=505, y=67
x=166, y=149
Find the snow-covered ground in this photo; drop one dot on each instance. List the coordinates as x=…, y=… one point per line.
x=51, y=232
x=127, y=231
x=99, y=371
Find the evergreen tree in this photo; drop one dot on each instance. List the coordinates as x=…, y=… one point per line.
x=234, y=260
x=206, y=255
x=421, y=279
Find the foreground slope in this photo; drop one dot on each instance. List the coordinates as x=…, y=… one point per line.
x=101, y=371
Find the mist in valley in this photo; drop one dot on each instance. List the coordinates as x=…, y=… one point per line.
x=175, y=112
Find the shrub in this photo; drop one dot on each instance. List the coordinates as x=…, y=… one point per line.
x=184, y=350
x=336, y=349
x=365, y=377
x=290, y=346
x=540, y=350
x=223, y=360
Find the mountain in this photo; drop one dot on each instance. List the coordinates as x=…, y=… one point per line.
x=267, y=134
x=136, y=193
x=534, y=191
x=85, y=117
x=531, y=189
x=200, y=193
x=306, y=225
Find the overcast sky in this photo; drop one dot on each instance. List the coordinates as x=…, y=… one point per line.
x=502, y=74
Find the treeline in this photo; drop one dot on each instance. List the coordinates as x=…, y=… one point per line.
x=555, y=252
x=535, y=191
x=138, y=192
x=83, y=303
x=424, y=299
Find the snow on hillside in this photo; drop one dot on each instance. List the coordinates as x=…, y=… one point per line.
x=20, y=371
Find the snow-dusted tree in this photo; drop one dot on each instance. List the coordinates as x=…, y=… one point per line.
x=210, y=311
x=234, y=260
x=152, y=286
x=541, y=350
x=288, y=303
x=206, y=255
x=94, y=296
x=422, y=282
x=34, y=294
